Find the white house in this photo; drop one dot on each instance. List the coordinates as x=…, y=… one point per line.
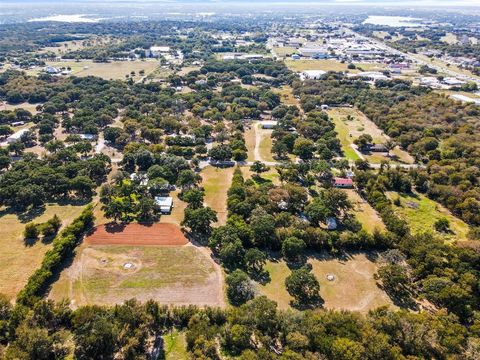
x=16, y=136
x=52, y=70
x=269, y=124
x=312, y=74
x=165, y=203
x=156, y=51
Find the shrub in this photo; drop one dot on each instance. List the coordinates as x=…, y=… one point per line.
x=31, y=231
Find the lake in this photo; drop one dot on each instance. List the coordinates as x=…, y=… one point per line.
x=393, y=21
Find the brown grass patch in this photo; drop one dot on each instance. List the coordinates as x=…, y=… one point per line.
x=177, y=275
x=354, y=287
x=19, y=259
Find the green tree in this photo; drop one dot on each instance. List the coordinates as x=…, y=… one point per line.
x=239, y=288
x=442, y=225
x=303, y=287
x=255, y=260
x=304, y=148
x=293, y=248
x=346, y=349
x=199, y=221
x=31, y=231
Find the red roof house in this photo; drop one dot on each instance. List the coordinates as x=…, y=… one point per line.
x=342, y=182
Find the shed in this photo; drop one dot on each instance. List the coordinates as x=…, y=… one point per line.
x=165, y=203
x=377, y=148
x=342, y=182
x=17, y=136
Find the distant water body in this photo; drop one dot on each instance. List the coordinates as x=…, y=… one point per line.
x=393, y=21
x=77, y=18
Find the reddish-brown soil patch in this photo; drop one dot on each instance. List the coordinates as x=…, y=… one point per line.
x=137, y=234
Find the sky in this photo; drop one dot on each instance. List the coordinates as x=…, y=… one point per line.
x=397, y=3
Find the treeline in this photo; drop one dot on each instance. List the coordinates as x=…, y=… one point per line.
x=63, y=247
x=255, y=330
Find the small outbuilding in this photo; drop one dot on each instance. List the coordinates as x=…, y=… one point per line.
x=377, y=148
x=165, y=203
x=343, y=183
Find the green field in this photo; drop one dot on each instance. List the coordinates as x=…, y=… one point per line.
x=275, y=289
x=350, y=123
x=343, y=132
x=175, y=346
x=421, y=213
x=364, y=212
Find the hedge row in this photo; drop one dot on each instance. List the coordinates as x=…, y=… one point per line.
x=63, y=246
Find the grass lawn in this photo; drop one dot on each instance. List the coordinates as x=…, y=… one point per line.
x=283, y=51
x=421, y=213
x=359, y=124
x=179, y=206
x=270, y=175
x=353, y=287
x=331, y=65
x=275, y=289
x=249, y=135
x=286, y=96
x=216, y=182
x=175, y=346
x=112, y=70
x=364, y=212
x=21, y=260
x=266, y=143
x=325, y=65
x=169, y=274
x=343, y=129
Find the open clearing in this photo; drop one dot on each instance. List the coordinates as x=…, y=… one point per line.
x=286, y=96
x=25, y=105
x=19, y=259
x=175, y=346
x=331, y=65
x=216, y=182
x=263, y=144
x=112, y=70
x=178, y=275
x=136, y=234
x=364, y=212
x=275, y=289
x=350, y=123
x=353, y=288
x=283, y=51
x=270, y=175
x=249, y=135
x=421, y=213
